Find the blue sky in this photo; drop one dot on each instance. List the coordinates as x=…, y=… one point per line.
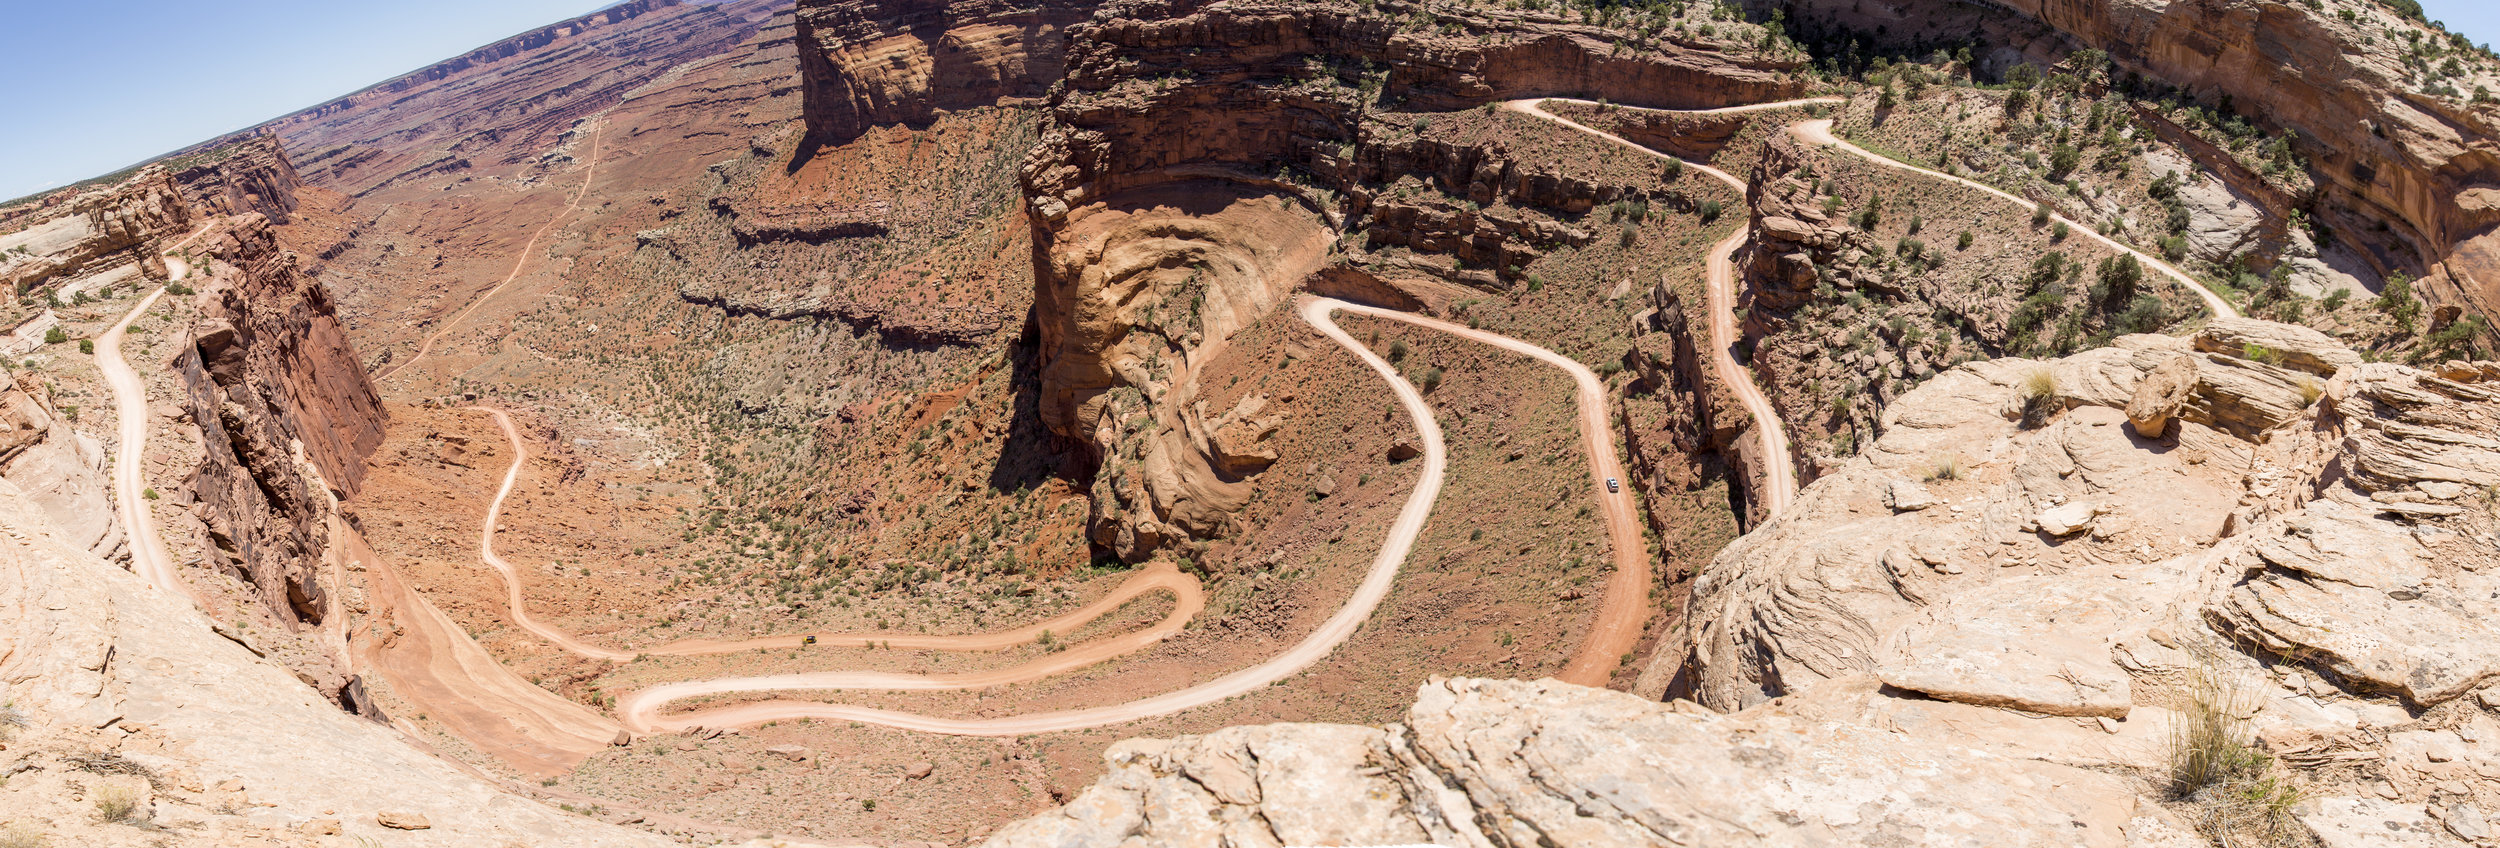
x=2477, y=19
x=96, y=86
x=103, y=85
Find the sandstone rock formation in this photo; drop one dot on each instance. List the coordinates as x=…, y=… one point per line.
x=1880, y=665
x=1210, y=200
x=251, y=174
x=286, y=415
x=108, y=230
x=876, y=62
x=1493, y=762
x=60, y=469
x=107, y=679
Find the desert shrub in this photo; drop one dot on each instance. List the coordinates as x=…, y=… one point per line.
x=86, y=346
x=56, y=335
x=2336, y=299
x=1397, y=351
x=2310, y=391
x=2145, y=314
x=2261, y=353
x=1709, y=211
x=1962, y=242
x=116, y=803
x=2040, y=215
x=1431, y=379
x=23, y=836
x=2398, y=302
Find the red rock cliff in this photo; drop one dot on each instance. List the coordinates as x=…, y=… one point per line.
x=286, y=416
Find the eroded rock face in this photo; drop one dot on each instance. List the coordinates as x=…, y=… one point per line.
x=249, y=175
x=61, y=471
x=96, y=233
x=2339, y=531
x=1203, y=160
x=871, y=62
x=1495, y=762
x=286, y=415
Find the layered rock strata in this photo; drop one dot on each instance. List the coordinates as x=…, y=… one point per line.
x=249, y=175
x=286, y=416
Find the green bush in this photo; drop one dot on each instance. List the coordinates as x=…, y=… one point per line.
x=56, y=335
x=86, y=346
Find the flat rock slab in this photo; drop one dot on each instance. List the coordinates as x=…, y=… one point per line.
x=2040, y=644
x=2349, y=822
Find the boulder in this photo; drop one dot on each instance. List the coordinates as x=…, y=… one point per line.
x=793, y=753
x=920, y=770
x=1905, y=496
x=2161, y=395
x=2070, y=519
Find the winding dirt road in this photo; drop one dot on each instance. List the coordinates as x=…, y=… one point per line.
x=148, y=558
x=1624, y=613
x=1819, y=132
x=1779, y=484
x=590, y=169
x=640, y=710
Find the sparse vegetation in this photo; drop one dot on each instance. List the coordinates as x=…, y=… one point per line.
x=2237, y=794
x=1945, y=466
x=2039, y=396
x=117, y=803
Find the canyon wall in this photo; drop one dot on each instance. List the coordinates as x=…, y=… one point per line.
x=1204, y=159
x=98, y=231
x=867, y=63
x=251, y=175
x=506, y=103
x=2411, y=177
x=286, y=415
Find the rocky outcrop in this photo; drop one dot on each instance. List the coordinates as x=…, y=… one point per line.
x=1511, y=763
x=286, y=416
x=2405, y=173
x=867, y=63
x=1995, y=650
x=108, y=681
x=1204, y=159
x=60, y=470
x=95, y=233
x=248, y=175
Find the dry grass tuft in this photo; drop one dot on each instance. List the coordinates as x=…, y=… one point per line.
x=117, y=803
x=1946, y=466
x=2236, y=793
x=2039, y=393
x=22, y=836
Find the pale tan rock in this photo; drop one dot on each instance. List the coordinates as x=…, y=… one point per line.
x=2069, y=519
x=1509, y=762
x=1905, y=496
x=2288, y=345
x=2350, y=822
x=2161, y=395
x=402, y=820
x=2040, y=644
x=919, y=770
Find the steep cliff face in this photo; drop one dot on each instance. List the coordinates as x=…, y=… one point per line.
x=2406, y=174
x=884, y=62
x=286, y=416
x=251, y=175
